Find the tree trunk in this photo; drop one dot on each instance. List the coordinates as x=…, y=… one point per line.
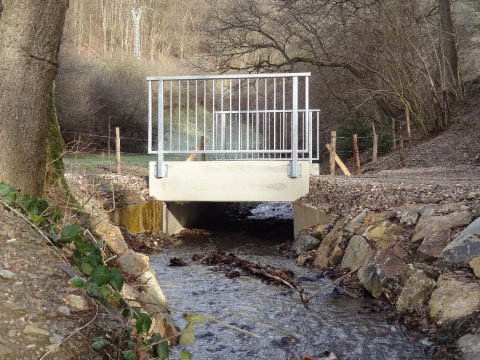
x=448, y=45
x=30, y=35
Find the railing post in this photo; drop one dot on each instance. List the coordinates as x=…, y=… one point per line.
x=309, y=120
x=294, y=169
x=161, y=166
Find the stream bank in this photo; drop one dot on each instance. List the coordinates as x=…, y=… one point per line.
x=412, y=242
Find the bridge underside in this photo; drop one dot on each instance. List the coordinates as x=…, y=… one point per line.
x=229, y=181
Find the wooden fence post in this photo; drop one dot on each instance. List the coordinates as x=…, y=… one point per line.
x=375, y=143
x=409, y=132
x=356, y=157
x=400, y=144
x=117, y=151
x=394, y=135
x=333, y=152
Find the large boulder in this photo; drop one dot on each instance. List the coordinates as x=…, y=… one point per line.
x=377, y=232
x=357, y=222
x=357, y=253
x=433, y=244
x=329, y=252
x=453, y=299
x=111, y=234
x=409, y=217
x=134, y=263
x=461, y=250
x=472, y=229
x=376, y=274
x=416, y=292
x=304, y=243
x=427, y=225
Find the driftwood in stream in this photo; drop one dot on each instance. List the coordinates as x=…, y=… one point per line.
x=234, y=266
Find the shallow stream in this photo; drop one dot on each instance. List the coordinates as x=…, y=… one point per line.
x=287, y=328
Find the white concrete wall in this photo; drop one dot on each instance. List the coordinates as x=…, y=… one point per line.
x=225, y=181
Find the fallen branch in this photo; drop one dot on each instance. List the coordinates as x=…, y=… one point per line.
x=234, y=266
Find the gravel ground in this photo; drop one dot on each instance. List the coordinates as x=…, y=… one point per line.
x=34, y=314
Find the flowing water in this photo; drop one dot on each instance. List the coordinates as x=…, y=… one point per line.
x=287, y=328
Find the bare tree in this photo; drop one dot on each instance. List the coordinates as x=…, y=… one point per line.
x=30, y=34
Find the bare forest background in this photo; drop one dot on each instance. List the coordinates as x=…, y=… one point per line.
x=370, y=60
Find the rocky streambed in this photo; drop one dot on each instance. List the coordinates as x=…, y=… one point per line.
x=414, y=244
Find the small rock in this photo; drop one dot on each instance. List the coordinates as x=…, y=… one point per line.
x=55, y=339
x=77, y=302
x=12, y=333
x=453, y=299
x=64, y=310
x=304, y=243
x=416, y=292
x=475, y=265
x=320, y=231
x=375, y=218
x=470, y=346
x=32, y=330
x=357, y=222
x=7, y=274
x=377, y=232
x=134, y=263
x=409, y=217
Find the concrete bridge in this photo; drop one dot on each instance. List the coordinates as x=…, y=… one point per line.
x=229, y=138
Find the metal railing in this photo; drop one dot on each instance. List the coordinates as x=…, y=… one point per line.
x=233, y=117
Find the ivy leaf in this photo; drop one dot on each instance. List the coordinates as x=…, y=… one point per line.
x=70, y=232
x=129, y=355
x=163, y=350
x=116, y=279
x=92, y=289
x=77, y=282
x=86, y=268
x=99, y=343
x=144, y=322
x=185, y=355
x=8, y=192
x=101, y=275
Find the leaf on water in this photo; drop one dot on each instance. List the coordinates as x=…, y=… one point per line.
x=99, y=343
x=101, y=275
x=117, y=279
x=77, y=282
x=194, y=318
x=185, y=355
x=187, y=337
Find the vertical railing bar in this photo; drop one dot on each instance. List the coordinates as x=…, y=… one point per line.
x=274, y=114
x=257, y=118
x=248, y=115
x=230, y=112
x=149, y=116
x=196, y=114
x=213, y=115
x=294, y=170
x=309, y=119
x=160, y=158
x=318, y=136
x=222, y=117
x=240, y=114
x=265, y=129
x=204, y=115
x=284, y=130
x=188, y=115
x=179, y=115
x=171, y=116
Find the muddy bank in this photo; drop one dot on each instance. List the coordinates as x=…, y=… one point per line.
x=412, y=244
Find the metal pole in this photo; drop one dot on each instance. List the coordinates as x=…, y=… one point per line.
x=137, y=14
x=294, y=169
x=161, y=166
